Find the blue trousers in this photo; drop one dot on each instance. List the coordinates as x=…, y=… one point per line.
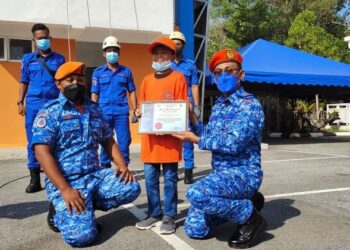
x=188, y=155
x=101, y=189
x=221, y=196
x=152, y=173
x=31, y=113
x=120, y=124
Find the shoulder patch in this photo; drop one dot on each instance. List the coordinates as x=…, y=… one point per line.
x=41, y=122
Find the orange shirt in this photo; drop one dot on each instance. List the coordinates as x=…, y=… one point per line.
x=162, y=148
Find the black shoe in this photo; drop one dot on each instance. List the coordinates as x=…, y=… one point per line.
x=247, y=234
x=98, y=227
x=188, y=176
x=34, y=184
x=258, y=200
x=50, y=216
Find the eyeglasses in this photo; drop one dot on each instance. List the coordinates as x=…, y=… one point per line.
x=229, y=71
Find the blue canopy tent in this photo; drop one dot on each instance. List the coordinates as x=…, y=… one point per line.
x=275, y=73
x=272, y=63
x=268, y=62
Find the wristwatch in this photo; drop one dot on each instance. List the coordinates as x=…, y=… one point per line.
x=19, y=102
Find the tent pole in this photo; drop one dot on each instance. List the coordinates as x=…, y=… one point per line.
x=317, y=108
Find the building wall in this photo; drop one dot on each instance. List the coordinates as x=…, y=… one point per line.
x=136, y=21
x=12, y=132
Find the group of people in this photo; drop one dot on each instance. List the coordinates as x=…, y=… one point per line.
x=65, y=128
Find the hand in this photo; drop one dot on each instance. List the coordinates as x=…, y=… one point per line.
x=124, y=174
x=197, y=110
x=187, y=136
x=137, y=113
x=134, y=119
x=74, y=200
x=21, y=109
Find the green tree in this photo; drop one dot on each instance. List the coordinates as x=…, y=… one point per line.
x=306, y=34
x=235, y=23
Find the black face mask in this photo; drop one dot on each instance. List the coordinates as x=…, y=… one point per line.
x=75, y=92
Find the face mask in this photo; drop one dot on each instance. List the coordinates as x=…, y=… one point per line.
x=161, y=66
x=75, y=92
x=226, y=83
x=43, y=44
x=112, y=57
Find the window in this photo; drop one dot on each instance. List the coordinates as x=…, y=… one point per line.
x=19, y=47
x=2, y=48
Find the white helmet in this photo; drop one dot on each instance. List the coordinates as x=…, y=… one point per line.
x=177, y=35
x=110, y=41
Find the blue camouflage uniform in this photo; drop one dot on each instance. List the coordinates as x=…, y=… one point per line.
x=112, y=88
x=74, y=139
x=41, y=89
x=233, y=134
x=188, y=68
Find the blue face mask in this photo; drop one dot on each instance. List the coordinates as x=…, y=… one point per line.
x=161, y=66
x=112, y=57
x=43, y=44
x=227, y=83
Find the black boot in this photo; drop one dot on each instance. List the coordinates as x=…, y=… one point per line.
x=34, y=184
x=258, y=200
x=50, y=216
x=246, y=235
x=188, y=176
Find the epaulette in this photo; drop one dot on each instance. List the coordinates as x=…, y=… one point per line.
x=51, y=102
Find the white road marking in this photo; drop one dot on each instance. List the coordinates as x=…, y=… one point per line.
x=306, y=159
x=305, y=152
x=307, y=192
x=186, y=204
x=171, y=239
x=272, y=161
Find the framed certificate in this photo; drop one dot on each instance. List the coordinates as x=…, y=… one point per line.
x=163, y=117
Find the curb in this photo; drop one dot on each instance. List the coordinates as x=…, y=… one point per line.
x=303, y=135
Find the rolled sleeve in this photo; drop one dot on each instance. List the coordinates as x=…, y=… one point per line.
x=95, y=85
x=107, y=132
x=131, y=84
x=24, y=71
x=198, y=128
x=194, y=76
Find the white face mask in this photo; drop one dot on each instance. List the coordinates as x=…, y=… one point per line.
x=161, y=66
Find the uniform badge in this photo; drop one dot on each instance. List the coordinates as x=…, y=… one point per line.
x=230, y=54
x=94, y=81
x=41, y=122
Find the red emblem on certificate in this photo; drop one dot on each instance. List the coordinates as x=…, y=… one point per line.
x=158, y=125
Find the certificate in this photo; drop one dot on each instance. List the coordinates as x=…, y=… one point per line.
x=164, y=117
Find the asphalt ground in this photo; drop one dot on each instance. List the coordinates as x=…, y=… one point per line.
x=306, y=185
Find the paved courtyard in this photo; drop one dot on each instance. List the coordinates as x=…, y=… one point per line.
x=306, y=185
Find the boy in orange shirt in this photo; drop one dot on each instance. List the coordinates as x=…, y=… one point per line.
x=165, y=150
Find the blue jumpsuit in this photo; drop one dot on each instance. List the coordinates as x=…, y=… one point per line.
x=41, y=89
x=112, y=88
x=74, y=139
x=188, y=69
x=233, y=134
